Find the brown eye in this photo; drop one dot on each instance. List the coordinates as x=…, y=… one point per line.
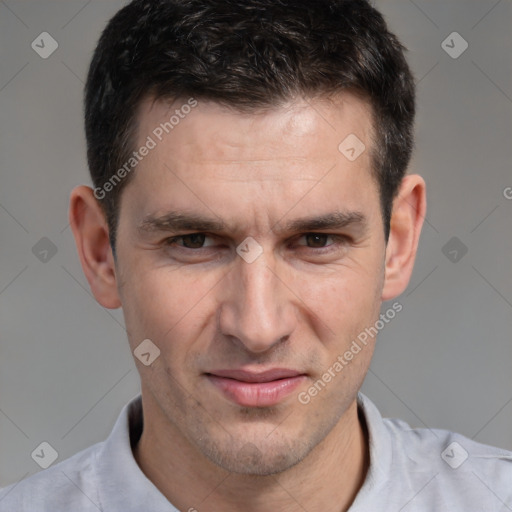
x=316, y=240
x=193, y=241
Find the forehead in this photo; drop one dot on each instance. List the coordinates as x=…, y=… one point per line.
x=300, y=129
x=214, y=155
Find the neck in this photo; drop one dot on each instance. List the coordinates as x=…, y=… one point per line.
x=327, y=480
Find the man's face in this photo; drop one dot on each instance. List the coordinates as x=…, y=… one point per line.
x=216, y=313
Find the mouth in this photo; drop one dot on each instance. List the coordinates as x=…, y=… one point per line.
x=256, y=389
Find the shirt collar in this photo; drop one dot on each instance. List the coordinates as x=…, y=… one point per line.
x=123, y=485
x=380, y=453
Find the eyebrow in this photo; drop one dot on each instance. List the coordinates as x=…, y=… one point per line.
x=180, y=221
x=332, y=220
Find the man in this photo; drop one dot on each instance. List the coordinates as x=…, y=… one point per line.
x=250, y=213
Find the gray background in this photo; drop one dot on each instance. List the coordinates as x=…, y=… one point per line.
x=444, y=361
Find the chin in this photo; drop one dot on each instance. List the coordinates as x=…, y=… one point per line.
x=261, y=459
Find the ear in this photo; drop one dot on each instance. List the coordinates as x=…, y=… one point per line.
x=408, y=213
x=90, y=230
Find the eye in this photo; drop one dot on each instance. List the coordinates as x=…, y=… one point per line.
x=317, y=240
x=189, y=241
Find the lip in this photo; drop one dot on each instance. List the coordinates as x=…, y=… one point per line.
x=256, y=389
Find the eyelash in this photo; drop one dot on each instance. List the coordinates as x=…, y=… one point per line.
x=337, y=240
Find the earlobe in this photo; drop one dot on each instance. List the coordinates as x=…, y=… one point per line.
x=409, y=208
x=92, y=242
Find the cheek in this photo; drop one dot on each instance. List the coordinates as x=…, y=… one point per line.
x=166, y=306
x=346, y=302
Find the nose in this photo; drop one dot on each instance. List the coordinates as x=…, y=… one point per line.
x=258, y=307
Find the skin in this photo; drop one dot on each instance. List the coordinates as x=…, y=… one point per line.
x=298, y=305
